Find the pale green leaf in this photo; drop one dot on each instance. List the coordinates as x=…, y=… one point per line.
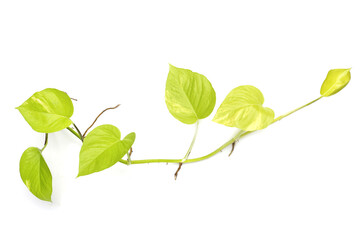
x=102, y=148
x=336, y=80
x=35, y=173
x=189, y=96
x=242, y=108
x=48, y=110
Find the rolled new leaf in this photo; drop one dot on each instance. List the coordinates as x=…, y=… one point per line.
x=36, y=174
x=242, y=108
x=48, y=111
x=189, y=96
x=102, y=148
x=335, y=80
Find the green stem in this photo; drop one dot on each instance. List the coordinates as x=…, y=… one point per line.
x=295, y=110
x=75, y=133
x=238, y=135
x=235, y=138
x=46, y=141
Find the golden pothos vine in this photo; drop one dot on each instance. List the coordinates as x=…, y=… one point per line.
x=189, y=97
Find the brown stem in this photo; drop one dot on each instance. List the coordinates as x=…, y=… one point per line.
x=232, y=148
x=177, y=171
x=98, y=117
x=74, y=99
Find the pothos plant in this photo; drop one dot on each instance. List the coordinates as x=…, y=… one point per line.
x=189, y=97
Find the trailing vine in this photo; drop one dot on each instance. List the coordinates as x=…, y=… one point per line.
x=189, y=97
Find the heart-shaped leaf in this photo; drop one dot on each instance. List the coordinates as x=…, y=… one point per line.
x=242, y=108
x=36, y=174
x=335, y=80
x=48, y=110
x=189, y=96
x=102, y=148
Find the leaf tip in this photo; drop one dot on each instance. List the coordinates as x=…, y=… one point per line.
x=171, y=66
x=335, y=81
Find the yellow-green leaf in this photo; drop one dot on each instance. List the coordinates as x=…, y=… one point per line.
x=189, y=96
x=102, y=148
x=48, y=110
x=36, y=174
x=335, y=80
x=242, y=108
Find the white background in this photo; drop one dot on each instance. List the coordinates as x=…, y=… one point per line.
x=297, y=179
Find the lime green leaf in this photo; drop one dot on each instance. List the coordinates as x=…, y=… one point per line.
x=35, y=173
x=102, y=148
x=242, y=108
x=189, y=96
x=48, y=110
x=336, y=80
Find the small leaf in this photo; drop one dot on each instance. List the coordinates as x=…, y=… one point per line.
x=242, y=108
x=36, y=174
x=335, y=80
x=102, y=148
x=48, y=110
x=189, y=96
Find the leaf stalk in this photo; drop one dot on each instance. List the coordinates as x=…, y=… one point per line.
x=189, y=150
x=46, y=141
x=75, y=133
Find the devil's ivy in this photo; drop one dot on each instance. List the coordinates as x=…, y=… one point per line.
x=189, y=97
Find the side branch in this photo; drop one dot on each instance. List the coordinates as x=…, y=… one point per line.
x=98, y=117
x=177, y=171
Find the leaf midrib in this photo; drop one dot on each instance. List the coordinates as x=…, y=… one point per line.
x=250, y=105
x=97, y=156
x=187, y=98
x=30, y=110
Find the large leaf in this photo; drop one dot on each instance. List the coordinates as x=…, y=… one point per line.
x=102, y=148
x=242, y=108
x=335, y=80
x=189, y=96
x=36, y=174
x=48, y=110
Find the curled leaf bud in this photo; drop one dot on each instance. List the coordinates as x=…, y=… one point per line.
x=336, y=80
